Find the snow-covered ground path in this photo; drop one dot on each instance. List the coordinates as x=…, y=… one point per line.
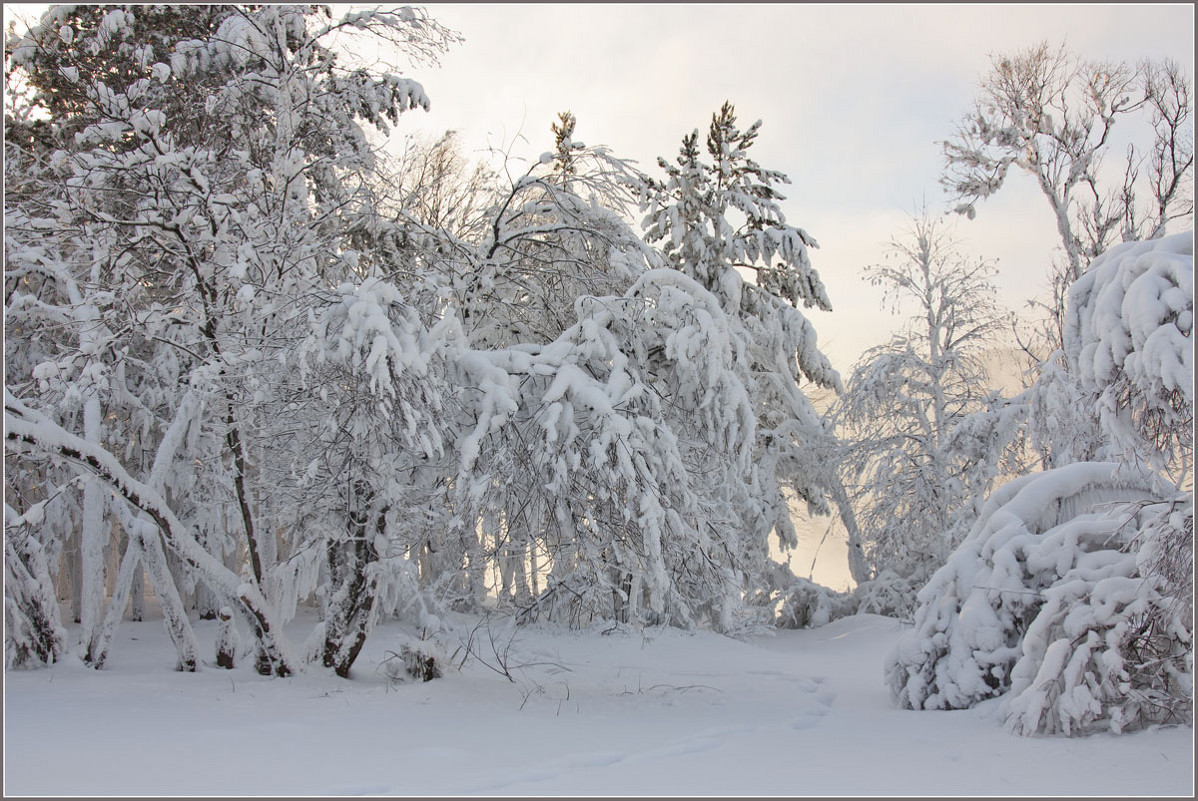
x=659, y=713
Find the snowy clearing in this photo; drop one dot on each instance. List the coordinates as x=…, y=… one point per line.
x=659, y=712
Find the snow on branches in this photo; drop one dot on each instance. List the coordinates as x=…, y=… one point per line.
x=917, y=450
x=275, y=367
x=716, y=222
x=1045, y=605
x=208, y=205
x=606, y=430
x=34, y=634
x=1129, y=335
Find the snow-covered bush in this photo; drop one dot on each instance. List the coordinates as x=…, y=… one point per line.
x=421, y=659
x=974, y=612
x=1046, y=603
x=1110, y=648
x=806, y=604
x=888, y=594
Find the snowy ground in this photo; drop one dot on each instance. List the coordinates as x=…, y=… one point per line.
x=660, y=713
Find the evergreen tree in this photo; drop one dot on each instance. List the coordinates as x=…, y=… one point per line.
x=716, y=221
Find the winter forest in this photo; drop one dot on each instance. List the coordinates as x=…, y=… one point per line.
x=306, y=405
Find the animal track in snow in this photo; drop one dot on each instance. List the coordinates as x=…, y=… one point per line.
x=822, y=704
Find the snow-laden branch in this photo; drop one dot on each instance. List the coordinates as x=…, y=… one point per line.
x=24, y=425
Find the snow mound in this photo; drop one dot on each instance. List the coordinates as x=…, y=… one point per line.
x=1048, y=604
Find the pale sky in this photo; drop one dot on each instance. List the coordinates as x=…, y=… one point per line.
x=853, y=100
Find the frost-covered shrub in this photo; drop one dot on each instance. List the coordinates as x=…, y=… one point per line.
x=1046, y=602
x=808, y=605
x=417, y=660
x=888, y=594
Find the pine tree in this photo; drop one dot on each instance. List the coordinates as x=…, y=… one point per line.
x=716, y=221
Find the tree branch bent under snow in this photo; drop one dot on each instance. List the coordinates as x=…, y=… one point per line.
x=24, y=425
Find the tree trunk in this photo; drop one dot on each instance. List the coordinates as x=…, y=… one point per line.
x=74, y=561
x=350, y=606
x=173, y=611
x=858, y=567
x=137, y=599
x=93, y=534
x=226, y=640
x=129, y=572
x=476, y=567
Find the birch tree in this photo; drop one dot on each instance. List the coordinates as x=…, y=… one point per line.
x=1052, y=115
x=913, y=478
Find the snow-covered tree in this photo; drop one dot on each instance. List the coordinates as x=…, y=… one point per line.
x=211, y=229
x=597, y=469
x=593, y=469
x=557, y=233
x=375, y=369
x=1072, y=596
x=913, y=478
x=602, y=415
x=1052, y=115
x=433, y=185
x=1129, y=343
x=717, y=221
x=513, y=281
